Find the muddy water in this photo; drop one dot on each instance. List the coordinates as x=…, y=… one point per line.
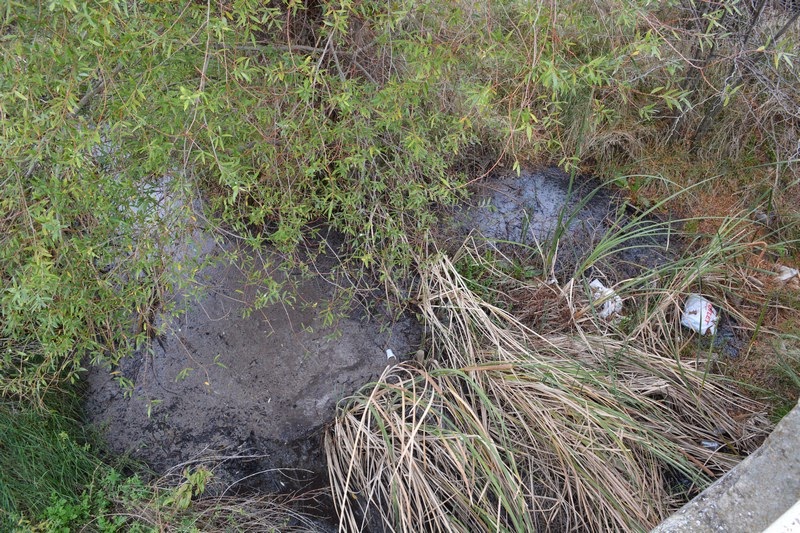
x=526, y=209
x=522, y=215
x=225, y=379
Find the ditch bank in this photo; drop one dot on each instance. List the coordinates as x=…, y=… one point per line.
x=247, y=388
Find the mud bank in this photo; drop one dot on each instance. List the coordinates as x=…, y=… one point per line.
x=246, y=390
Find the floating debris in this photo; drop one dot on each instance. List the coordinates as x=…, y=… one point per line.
x=711, y=445
x=787, y=274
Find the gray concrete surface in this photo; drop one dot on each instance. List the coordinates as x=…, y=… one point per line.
x=751, y=496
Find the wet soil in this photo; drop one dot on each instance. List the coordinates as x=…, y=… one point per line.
x=519, y=215
x=246, y=390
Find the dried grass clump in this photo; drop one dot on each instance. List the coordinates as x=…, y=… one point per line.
x=242, y=514
x=178, y=501
x=510, y=430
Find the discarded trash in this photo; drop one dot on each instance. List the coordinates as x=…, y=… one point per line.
x=389, y=354
x=764, y=217
x=710, y=445
x=699, y=315
x=786, y=274
x=611, y=302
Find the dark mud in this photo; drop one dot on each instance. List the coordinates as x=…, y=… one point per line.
x=524, y=215
x=245, y=390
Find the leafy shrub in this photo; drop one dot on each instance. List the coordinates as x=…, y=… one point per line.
x=362, y=115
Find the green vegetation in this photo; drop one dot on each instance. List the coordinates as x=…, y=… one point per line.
x=366, y=117
x=39, y=460
x=51, y=480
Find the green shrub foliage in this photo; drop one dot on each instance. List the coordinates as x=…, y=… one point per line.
x=361, y=116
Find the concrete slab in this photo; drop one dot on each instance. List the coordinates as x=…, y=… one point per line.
x=753, y=495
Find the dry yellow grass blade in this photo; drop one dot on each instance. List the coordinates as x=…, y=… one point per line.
x=509, y=430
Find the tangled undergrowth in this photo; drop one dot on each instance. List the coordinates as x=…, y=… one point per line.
x=506, y=429
x=366, y=117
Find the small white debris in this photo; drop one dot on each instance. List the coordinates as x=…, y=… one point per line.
x=699, y=315
x=611, y=302
x=785, y=273
x=389, y=354
x=710, y=445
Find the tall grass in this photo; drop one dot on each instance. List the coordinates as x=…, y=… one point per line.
x=40, y=462
x=510, y=430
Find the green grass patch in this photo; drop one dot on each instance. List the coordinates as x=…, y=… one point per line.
x=41, y=463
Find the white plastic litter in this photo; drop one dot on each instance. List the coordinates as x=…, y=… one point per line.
x=699, y=315
x=611, y=302
x=786, y=273
x=389, y=354
x=710, y=445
